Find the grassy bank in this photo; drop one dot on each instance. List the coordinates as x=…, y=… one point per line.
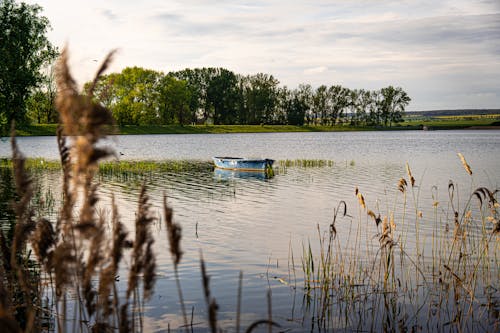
x=410, y=124
x=50, y=129
x=455, y=122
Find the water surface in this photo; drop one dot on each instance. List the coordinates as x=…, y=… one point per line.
x=254, y=224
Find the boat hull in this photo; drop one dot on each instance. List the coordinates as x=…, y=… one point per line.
x=243, y=164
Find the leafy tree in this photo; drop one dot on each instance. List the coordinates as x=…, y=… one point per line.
x=339, y=101
x=393, y=104
x=174, y=101
x=353, y=105
x=261, y=98
x=297, y=107
x=320, y=103
x=40, y=105
x=305, y=95
x=197, y=82
x=24, y=50
x=363, y=106
x=221, y=96
x=132, y=95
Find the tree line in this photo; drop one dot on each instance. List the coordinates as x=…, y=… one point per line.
x=139, y=96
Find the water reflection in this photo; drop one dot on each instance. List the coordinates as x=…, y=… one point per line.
x=221, y=174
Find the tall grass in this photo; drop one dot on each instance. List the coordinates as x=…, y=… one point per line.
x=389, y=276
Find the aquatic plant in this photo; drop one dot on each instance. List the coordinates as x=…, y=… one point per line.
x=448, y=282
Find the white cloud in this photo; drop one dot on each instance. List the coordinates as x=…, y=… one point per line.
x=315, y=70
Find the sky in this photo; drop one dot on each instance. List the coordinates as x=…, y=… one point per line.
x=444, y=53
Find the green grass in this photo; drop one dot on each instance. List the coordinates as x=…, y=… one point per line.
x=50, y=129
x=452, y=122
x=33, y=164
x=408, y=124
x=221, y=129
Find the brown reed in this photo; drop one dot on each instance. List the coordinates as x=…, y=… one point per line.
x=143, y=238
x=174, y=233
x=210, y=301
x=361, y=199
x=465, y=164
x=410, y=176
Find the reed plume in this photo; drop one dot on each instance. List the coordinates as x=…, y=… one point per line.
x=410, y=176
x=210, y=301
x=465, y=164
x=110, y=271
x=43, y=242
x=376, y=218
x=402, y=184
x=174, y=233
x=140, y=254
x=361, y=199
x=24, y=212
x=21, y=276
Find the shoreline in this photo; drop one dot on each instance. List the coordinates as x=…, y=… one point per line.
x=50, y=129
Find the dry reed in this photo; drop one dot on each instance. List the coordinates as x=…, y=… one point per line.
x=465, y=164
x=452, y=284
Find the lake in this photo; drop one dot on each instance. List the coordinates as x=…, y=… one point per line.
x=261, y=226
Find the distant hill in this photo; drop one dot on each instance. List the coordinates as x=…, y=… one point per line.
x=458, y=112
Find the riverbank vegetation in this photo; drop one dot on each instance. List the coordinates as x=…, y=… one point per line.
x=410, y=123
x=386, y=274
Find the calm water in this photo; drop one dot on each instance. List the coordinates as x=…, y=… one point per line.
x=252, y=224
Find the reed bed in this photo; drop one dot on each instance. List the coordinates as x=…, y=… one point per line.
x=386, y=275
x=305, y=163
x=33, y=164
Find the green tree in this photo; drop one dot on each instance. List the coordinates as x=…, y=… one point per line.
x=338, y=102
x=132, y=95
x=197, y=82
x=305, y=95
x=393, y=104
x=297, y=107
x=40, y=105
x=174, y=101
x=24, y=50
x=222, y=92
x=320, y=102
x=261, y=98
x=283, y=105
x=363, y=106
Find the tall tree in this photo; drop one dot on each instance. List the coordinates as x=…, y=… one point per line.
x=222, y=93
x=174, y=101
x=305, y=95
x=393, y=104
x=40, y=105
x=261, y=97
x=24, y=50
x=137, y=96
x=338, y=102
x=320, y=105
x=297, y=107
x=197, y=81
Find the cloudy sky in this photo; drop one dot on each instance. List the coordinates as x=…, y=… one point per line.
x=444, y=53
